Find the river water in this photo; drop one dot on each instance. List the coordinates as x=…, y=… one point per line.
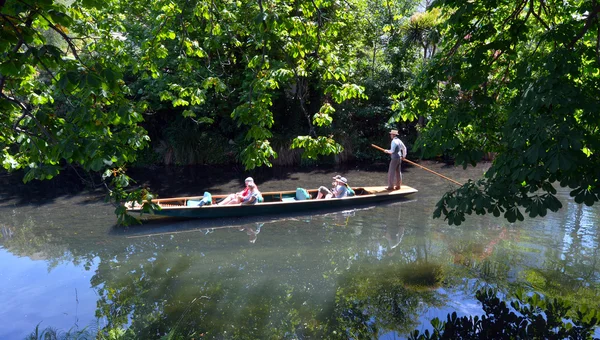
x=371, y=272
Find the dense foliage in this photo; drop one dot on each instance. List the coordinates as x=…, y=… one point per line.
x=520, y=79
x=62, y=101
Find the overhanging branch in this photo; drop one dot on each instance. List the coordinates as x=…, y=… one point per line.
x=593, y=16
x=538, y=17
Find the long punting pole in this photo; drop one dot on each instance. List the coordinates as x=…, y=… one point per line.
x=420, y=166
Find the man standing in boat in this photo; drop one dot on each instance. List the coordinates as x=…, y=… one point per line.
x=398, y=152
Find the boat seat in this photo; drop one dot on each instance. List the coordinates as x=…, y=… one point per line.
x=288, y=199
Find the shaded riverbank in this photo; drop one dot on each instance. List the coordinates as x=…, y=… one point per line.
x=170, y=181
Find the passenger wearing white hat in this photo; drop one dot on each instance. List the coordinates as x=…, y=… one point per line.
x=339, y=189
x=397, y=152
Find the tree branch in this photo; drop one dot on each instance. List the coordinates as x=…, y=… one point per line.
x=66, y=38
x=515, y=13
x=17, y=46
x=184, y=31
x=300, y=97
x=22, y=39
x=460, y=40
x=26, y=112
x=532, y=10
x=590, y=19
x=264, y=24
x=495, y=57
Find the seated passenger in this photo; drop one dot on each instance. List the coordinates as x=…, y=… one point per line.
x=323, y=192
x=254, y=196
x=339, y=189
x=351, y=191
x=238, y=197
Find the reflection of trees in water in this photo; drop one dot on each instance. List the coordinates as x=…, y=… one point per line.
x=370, y=294
x=336, y=273
x=50, y=333
x=157, y=291
x=371, y=300
x=479, y=253
x=6, y=231
x=558, y=259
x=24, y=238
x=570, y=268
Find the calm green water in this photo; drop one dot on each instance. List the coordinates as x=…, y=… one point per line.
x=374, y=272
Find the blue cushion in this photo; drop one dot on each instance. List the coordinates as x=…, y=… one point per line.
x=302, y=194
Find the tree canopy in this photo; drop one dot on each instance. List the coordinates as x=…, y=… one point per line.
x=520, y=80
x=62, y=101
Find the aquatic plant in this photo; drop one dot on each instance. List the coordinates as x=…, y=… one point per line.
x=50, y=333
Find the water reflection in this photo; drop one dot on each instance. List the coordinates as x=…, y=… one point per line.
x=331, y=280
x=252, y=232
x=250, y=225
x=364, y=273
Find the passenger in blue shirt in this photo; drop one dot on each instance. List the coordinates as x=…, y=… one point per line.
x=339, y=190
x=254, y=195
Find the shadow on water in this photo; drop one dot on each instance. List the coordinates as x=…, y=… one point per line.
x=66, y=185
x=167, y=181
x=190, y=180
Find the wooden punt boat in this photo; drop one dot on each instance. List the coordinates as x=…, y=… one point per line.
x=274, y=203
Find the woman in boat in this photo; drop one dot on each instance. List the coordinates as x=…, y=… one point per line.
x=238, y=197
x=339, y=190
x=254, y=196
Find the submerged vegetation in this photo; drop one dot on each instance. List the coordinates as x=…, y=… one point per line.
x=365, y=313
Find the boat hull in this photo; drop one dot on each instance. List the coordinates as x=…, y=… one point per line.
x=370, y=195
